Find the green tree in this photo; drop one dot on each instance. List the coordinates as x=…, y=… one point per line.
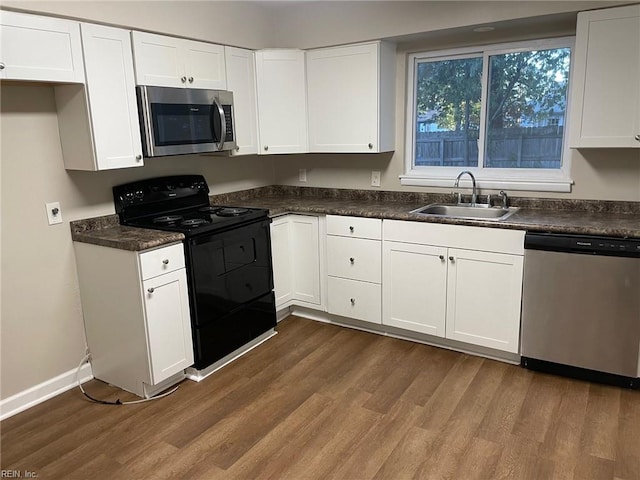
x=522, y=84
x=526, y=85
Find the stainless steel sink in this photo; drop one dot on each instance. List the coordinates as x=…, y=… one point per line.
x=476, y=212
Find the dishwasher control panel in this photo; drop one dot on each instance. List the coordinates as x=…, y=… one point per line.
x=582, y=244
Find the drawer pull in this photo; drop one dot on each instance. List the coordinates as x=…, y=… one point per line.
x=452, y=259
x=352, y=260
x=353, y=301
x=151, y=290
x=441, y=257
x=165, y=261
x=351, y=228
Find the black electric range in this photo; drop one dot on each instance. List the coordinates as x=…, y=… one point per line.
x=227, y=257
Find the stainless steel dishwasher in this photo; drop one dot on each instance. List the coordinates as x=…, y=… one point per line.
x=581, y=307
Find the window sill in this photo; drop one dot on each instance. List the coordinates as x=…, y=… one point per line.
x=559, y=184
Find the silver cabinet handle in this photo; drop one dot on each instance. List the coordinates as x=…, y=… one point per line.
x=151, y=290
x=441, y=257
x=165, y=261
x=352, y=260
x=353, y=301
x=637, y=136
x=1, y=65
x=183, y=79
x=190, y=79
x=138, y=157
x=266, y=147
x=371, y=146
x=351, y=229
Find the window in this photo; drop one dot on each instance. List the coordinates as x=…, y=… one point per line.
x=499, y=112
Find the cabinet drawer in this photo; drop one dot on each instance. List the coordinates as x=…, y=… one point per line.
x=354, y=258
x=354, y=299
x=162, y=260
x=358, y=227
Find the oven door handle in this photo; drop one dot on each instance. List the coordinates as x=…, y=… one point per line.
x=223, y=123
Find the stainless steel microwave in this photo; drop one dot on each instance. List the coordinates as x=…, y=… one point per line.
x=177, y=121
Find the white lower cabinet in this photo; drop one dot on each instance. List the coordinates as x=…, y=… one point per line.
x=136, y=312
x=415, y=287
x=296, y=254
x=484, y=292
x=469, y=294
x=354, y=268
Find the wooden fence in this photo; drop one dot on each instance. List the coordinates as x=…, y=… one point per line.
x=539, y=147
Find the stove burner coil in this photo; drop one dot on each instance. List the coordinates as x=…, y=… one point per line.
x=167, y=219
x=193, y=222
x=231, y=212
x=209, y=209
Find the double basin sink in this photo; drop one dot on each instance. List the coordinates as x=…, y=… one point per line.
x=467, y=211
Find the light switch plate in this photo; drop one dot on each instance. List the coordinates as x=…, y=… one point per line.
x=54, y=213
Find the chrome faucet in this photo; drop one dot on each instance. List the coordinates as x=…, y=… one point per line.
x=505, y=199
x=473, y=181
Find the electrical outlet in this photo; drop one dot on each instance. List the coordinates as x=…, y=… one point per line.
x=375, y=179
x=54, y=213
x=302, y=174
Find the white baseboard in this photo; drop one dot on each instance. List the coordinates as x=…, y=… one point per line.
x=44, y=391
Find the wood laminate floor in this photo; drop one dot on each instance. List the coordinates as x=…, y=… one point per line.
x=320, y=401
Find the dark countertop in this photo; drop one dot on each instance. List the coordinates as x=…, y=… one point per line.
x=584, y=217
x=107, y=232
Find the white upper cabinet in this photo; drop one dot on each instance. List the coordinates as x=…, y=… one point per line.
x=175, y=62
x=99, y=128
x=282, y=105
x=241, y=80
x=605, y=102
x=351, y=98
x=40, y=49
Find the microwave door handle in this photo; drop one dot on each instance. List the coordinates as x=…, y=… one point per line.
x=223, y=123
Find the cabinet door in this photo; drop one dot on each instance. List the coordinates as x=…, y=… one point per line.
x=414, y=287
x=168, y=324
x=40, y=49
x=204, y=65
x=158, y=60
x=483, y=299
x=112, y=98
x=606, y=91
x=282, y=111
x=342, y=89
x=281, y=258
x=240, y=66
x=305, y=250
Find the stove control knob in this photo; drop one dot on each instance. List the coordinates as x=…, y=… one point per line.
x=128, y=196
x=139, y=194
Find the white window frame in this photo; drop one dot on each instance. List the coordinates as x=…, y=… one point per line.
x=532, y=179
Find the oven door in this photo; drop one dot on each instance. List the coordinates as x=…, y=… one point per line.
x=228, y=270
x=178, y=121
